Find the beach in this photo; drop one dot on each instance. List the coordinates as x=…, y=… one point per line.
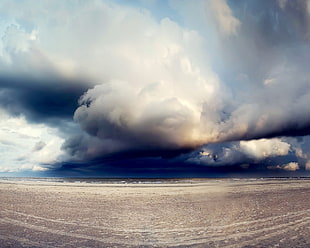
x=203, y=213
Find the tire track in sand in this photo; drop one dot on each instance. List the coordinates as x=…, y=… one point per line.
x=24, y=241
x=38, y=228
x=189, y=238
x=161, y=230
x=252, y=240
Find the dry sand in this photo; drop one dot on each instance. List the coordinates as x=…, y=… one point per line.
x=210, y=213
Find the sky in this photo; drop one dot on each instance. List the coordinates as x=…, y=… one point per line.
x=155, y=88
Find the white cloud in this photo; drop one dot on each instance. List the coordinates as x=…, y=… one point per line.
x=17, y=140
x=264, y=148
x=228, y=24
x=292, y=166
x=269, y=81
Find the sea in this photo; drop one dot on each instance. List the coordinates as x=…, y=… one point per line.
x=93, y=180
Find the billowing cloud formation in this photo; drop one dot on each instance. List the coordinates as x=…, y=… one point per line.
x=128, y=78
x=200, y=111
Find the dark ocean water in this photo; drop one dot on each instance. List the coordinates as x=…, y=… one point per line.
x=92, y=180
x=106, y=180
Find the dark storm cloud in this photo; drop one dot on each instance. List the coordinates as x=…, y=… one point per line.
x=158, y=167
x=40, y=99
x=146, y=167
x=86, y=148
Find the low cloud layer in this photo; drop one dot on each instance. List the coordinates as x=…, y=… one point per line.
x=216, y=83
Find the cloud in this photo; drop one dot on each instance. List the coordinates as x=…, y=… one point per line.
x=264, y=148
x=240, y=152
x=154, y=113
x=39, y=146
x=282, y=3
x=221, y=79
x=52, y=99
x=299, y=12
x=228, y=24
x=26, y=146
x=292, y=166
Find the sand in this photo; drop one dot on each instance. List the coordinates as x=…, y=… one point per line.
x=210, y=213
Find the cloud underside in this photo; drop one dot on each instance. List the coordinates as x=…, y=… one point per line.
x=219, y=83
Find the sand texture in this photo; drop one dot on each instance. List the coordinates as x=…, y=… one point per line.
x=210, y=213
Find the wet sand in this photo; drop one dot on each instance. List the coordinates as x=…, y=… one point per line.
x=210, y=213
